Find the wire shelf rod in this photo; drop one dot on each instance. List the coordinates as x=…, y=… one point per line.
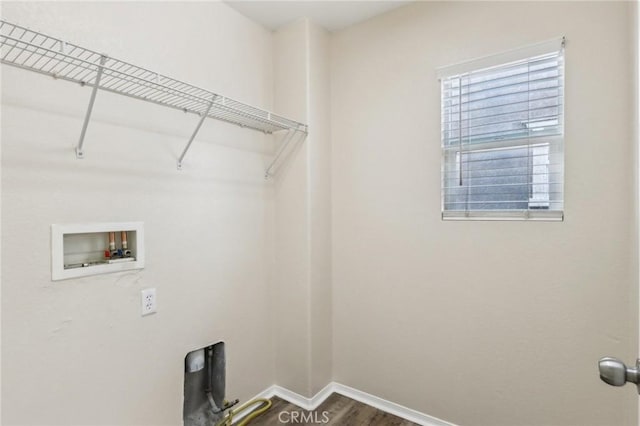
x=32, y=50
x=193, y=135
x=108, y=69
x=79, y=153
x=286, y=140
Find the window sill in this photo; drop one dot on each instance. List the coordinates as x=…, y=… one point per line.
x=526, y=215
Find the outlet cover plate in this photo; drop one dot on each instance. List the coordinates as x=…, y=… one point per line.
x=148, y=301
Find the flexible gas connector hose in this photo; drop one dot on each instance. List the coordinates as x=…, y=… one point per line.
x=227, y=420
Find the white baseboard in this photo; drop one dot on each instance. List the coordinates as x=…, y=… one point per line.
x=308, y=404
x=311, y=404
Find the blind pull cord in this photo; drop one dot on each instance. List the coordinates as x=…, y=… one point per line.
x=460, y=124
x=529, y=155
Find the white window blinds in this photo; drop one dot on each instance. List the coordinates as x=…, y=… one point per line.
x=502, y=136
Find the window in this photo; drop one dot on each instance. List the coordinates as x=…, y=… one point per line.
x=502, y=136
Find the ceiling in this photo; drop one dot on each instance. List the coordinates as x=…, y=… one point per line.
x=331, y=14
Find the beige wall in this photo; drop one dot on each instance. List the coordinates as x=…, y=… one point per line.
x=482, y=323
x=302, y=289
x=291, y=287
x=319, y=143
x=77, y=352
x=477, y=323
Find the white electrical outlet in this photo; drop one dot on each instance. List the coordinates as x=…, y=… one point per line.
x=149, y=301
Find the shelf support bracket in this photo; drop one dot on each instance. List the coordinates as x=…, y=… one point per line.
x=92, y=99
x=193, y=135
x=286, y=140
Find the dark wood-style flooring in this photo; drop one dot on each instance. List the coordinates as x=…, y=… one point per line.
x=336, y=410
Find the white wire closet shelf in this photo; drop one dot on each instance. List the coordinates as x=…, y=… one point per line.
x=34, y=51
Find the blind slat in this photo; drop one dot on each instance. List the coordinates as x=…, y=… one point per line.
x=514, y=121
x=517, y=68
x=524, y=106
x=481, y=87
x=533, y=64
x=532, y=95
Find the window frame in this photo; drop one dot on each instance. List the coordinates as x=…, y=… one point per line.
x=555, y=165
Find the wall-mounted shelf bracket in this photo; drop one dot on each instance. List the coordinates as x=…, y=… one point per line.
x=286, y=141
x=92, y=99
x=195, y=132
